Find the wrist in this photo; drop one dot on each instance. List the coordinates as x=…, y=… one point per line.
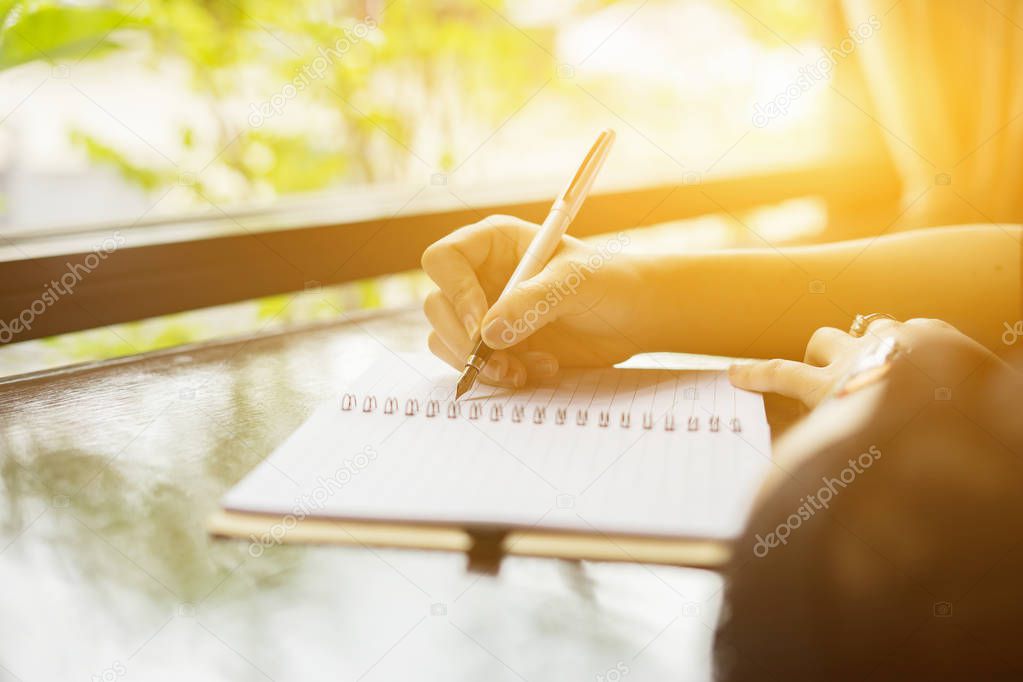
x=720, y=302
x=633, y=285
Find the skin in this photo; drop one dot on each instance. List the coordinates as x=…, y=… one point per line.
x=850, y=593
x=932, y=355
x=751, y=303
x=758, y=302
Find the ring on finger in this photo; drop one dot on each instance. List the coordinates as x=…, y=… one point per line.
x=861, y=322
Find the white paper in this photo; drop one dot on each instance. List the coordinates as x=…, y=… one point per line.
x=634, y=476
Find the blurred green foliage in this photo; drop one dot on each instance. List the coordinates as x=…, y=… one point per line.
x=370, y=100
x=34, y=30
x=410, y=70
x=369, y=94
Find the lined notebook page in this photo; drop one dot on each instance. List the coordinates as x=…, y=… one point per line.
x=624, y=451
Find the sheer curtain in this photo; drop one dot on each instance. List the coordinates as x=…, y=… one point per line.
x=946, y=77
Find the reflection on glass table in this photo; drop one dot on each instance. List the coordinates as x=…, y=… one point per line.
x=110, y=470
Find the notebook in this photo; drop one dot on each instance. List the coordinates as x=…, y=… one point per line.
x=614, y=463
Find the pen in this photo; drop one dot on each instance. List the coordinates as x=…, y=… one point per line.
x=546, y=241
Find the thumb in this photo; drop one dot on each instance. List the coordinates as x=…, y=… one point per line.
x=519, y=313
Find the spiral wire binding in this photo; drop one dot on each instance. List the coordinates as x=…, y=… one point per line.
x=518, y=414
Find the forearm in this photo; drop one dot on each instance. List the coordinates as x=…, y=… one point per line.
x=767, y=302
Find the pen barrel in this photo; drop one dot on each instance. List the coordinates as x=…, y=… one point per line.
x=540, y=250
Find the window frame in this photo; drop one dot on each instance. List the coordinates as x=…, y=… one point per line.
x=174, y=265
x=177, y=272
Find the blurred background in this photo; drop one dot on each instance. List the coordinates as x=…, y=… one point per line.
x=117, y=107
x=140, y=116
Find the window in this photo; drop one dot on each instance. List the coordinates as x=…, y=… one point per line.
x=178, y=123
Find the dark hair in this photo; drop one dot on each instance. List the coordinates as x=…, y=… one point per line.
x=914, y=570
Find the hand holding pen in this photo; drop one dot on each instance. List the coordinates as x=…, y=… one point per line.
x=567, y=312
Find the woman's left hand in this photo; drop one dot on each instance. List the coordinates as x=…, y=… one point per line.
x=937, y=348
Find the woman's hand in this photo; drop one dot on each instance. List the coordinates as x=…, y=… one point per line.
x=578, y=311
x=936, y=349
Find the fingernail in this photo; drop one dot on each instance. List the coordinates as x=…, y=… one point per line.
x=737, y=368
x=495, y=368
x=498, y=334
x=471, y=326
x=518, y=377
x=542, y=364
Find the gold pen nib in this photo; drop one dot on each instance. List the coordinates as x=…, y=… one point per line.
x=479, y=356
x=466, y=381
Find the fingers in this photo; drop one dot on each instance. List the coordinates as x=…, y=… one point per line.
x=811, y=381
x=540, y=365
x=495, y=372
x=929, y=322
x=444, y=320
x=826, y=345
x=451, y=263
x=881, y=325
x=521, y=312
x=786, y=377
x=450, y=343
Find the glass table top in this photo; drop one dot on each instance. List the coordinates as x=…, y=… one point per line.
x=109, y=472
